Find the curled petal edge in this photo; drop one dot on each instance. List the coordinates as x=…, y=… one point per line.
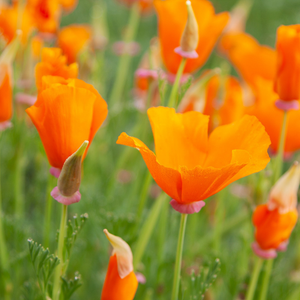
x=184, y=54
x=190, y=208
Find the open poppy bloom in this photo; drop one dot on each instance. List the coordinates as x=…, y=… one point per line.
x=251, y=59
x=55, y=64
x=66, y=113
x=265, y=110
x=72, y=39
x=275, y=220
x=120, y=282
x=190, y=166
x=9, y=21
x=287, y=84
x=172, y=18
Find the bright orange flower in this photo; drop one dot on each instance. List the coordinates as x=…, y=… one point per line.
x=72, y=39
x=5, y=92
x=46, y=14
x=9, y=22
x=250, y=58
x=287, y=81
x=190, y=166
x=145, y=5
x=120, y=282
x=275, y=220
x=266, y=112
x=223, y=105
x=55, y=64
x=66, y=113
x=37, y=45
x=172, y=17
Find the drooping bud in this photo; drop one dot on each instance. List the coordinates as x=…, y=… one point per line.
x=120, y=281
x=123, y=253
x=284, y=193
x=190, y=37
x=69, y=179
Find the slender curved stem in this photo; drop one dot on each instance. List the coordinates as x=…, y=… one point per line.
x=177, y=270
x=266, y=280
x=60, y=267
x=254, y=278
x=125, y=59
x=173, y=96
x=48, y=212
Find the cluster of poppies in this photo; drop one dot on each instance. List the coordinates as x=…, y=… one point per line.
x=222, y=129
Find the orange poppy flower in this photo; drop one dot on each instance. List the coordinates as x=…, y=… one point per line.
x=9, y=21
x=172, y=17
x=287, y=81
x=72, y=39
x=266, y=112
x=190, y=166
x=208, y=99
x=275, y=220
x=144, y=5
x=120, y=281
x=46, y=14
x=55, y=64
x=66, y=113
x=249, y=58
x=6, y=93
x=37, y=45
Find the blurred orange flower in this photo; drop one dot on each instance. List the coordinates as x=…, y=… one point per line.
x=145, y=5
x=224, y=104
x=287, y=81
x=190, y=166
x=172, y=17
x=9, y=16
x=37, y=45
x=249, y=58
x=72, y=39
x=46, y=14
x=55, y=64
x=5, y=92
x=270, y=116
x=66, y=113
x=275, y=220
x=120, y=282
x=68, y=5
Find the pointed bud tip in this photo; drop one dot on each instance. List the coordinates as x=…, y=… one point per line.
x=82, y=148
x=188, y=2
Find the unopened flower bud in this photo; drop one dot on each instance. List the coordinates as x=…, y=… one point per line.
x=69, y=179
x=190, y=37
x=284, y=193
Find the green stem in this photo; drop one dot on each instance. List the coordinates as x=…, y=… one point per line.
x=60, y=267
x=177, y=270
x=147, y=229
x=173, y=96
x=4, y=262
x=279, y=157
x=125, y=59
x=266, y=279
x=254, y=278
x=48, y=212
x=144, y=194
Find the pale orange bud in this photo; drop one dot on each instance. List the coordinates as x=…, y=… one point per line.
x=190, y=37
x=284, y=193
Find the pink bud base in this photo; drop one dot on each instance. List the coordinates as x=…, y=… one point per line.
x=65, y=200
x=287, y=105
x=55, y=172
x=265, y=254
x=140, y=278
x=191, y=208
x=5, y=125
x=120, y=48
x=283, y=246
x=190, y=54
x=146, y=73
x=25, y=99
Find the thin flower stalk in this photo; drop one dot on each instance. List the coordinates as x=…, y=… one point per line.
x=125, y=59
x=254, y=278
